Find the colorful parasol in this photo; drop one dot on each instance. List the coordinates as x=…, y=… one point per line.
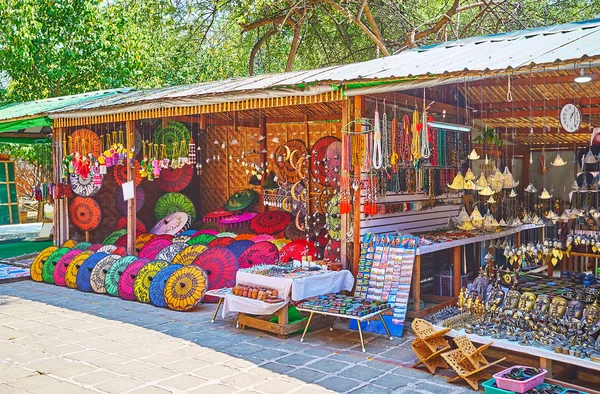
x=239, y=247
x=107, y=249
x=237, y=220
x=95, y=247
x=82, y=246
x=60, y=270
x=221, y=241
x=85, y=271
x=280, y=242
x=297, y=249
x=181, y=239
x=317, y=158
x=73, y=268
x=186, y=287
x=259, y=253
x=145, y=276
x=174, y=202
x=50, y=264
x=167, y=237
x=122, y=241
x=202, y=239
x=85, y=213
x=332, y=251
x=142, y=240
x=85, y=187
x=38, y=263
x=171, y=135
x=244, y=237
x=120, y=251
x=221, y=267
x=271, y=222
x=175, y=179
x=85, y=141
x=120, y=174
x=169, y=253
x=98, y=275
x=217, y=215
x=226, y=234
x=140, y=227
x=292, y=232
x=152, y=248
x=189, y=254
x=112, y=237
x=333, y=158
x=289, y=159
x=263, y=238
x=157, y=286
x=189, y=233
x=114, y=272
x=241, y=200
x=205, y=231
x=121, y=204
x=171, y=224
x=125, y=285
x=69, y=243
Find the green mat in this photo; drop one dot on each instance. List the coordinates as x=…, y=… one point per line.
x=8, y=250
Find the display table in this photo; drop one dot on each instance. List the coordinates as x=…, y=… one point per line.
x=293, y=287
x=359, y=319
x=220, y=294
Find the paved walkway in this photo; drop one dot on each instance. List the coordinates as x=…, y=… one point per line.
x=59, y=340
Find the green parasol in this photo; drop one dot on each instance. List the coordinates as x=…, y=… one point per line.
x=82, y=246
x=143, y=280
x=112, y=237
x=174, y=202
x=173, y=133
x=202, y=239
x=50, y=264
x=241, y=200
x=113, y=274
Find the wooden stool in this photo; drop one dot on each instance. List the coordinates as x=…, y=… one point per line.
x=429, y=344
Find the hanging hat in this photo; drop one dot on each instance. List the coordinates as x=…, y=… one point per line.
x=487, y=191
x=469, y=185
x=512, y=193
x=482, y=182
x=558, y=161
x=530, y=188
x=590, y=158
x=467, y=226
x=469, y=176
x=463, y=216
x=491, y=200
x=458, y=183
x=545, y=195
x=473, y=155
x=509, y=181
x=502, y=223
x=476, y=215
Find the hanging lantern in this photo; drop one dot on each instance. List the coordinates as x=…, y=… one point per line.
x=558, y=161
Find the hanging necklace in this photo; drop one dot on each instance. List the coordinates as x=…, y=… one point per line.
x=385, y=138
x=377, y=156
x=415, y=148
x=405, y=141
x=394, y=154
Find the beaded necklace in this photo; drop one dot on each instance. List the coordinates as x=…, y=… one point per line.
x=385, y=141
x=377, y=154
x=405, y=144
x=415, y=148
x=394, y=154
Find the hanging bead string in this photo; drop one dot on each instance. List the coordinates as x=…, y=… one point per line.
x=377, y=161
x=386, y=140
x=425, y=151
x=415, y=149
x=394, y=141
x=405, y=150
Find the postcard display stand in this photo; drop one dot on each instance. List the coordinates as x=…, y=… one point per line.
x=385, y=273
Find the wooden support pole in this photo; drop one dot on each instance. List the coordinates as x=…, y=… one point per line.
x=416, y=284
x=457, y=265
x=131, y=204
x=359, y=109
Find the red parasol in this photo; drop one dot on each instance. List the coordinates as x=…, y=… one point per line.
x=272, y=222
x=332, y=251
x=61, y=267
x=217, y=215
x=125, y=286
x=168, y=237
x=143, y=239
x=152, y=248
x=121, y=204
x=175, y=179
x=263, y=238
x=140, y=227
x=223, y=241
x=85, y=141
x=120, y=173
x=220, y=265
x=295, y=250
x=292, y=232
x=317, y=158
x=95, y=247
x=85, y=213
x=120, y=251
x=259, y=253
x=333, y=162
x=122, y=241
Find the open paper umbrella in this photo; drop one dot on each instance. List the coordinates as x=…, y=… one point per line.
x=61, y=267
x=226, y=234
x=263, y=238
x=259, y=253
x=171, y=224
x=144, y=278
x=239, y=247
x=86, y=138
x=38, y=263
x=85, y=213
x=85, y=187
x=85, y=271
x=175, y=179
x=186, y=287
x=114, y=272
x=241, y=200
x=332, y=250
x=169, y=253
x=288, y=158
x=112, y=237
x=189, y=254
x=202, y=239
x=73, y=268
x=121, y=204
x=82, y=246
x=125, y=285
x=205, y=231
x=247, y=237
x=120, y=173
x=50, y=264
x=174, y=202
x=69, y=243
x=221, y=266
x=157, y=286
x=167, y=237
x=292, y=232
x=98, y=275
x=142, y=240
x=271, y=222
x=108, y=249
x=333, y=157
x=121, y=251
x=317, y=158
x=225, y=241
x=217, y=215
x=295, y=250
x=181, y=239
x=122, y=241
x=281, y=242
x=95, y=247
x=140, y=227
x=152, y=248
x=188, y=233
x=171, y=135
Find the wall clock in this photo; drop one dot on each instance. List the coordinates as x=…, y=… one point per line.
x=570, y=118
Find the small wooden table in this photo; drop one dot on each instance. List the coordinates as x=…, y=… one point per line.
x=359, y=319
x=220, y=294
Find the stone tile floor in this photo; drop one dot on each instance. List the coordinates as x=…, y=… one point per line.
x=59, y=340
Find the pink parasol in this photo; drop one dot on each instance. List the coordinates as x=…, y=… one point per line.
x=171, y=224
x=224, y=241
x=152, y=248
x=297, y=249
x=220, y=265
x=263, y=238
x=237, y=220
x=61, y=267
x=259, y=253
x=125, y=286
x=95, y=247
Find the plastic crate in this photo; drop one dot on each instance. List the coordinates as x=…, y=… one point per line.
x=573, y=391
x=488, y=387
x=516, y=385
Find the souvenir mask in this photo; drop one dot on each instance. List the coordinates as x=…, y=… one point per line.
x=526, y=301
x=540, y=308
x=558, y=306
x=591, y=314
x=512, y=299
x=575, y=310
x=495, y=298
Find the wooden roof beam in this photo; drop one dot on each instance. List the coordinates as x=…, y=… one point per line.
x=526, y=80
x=407, y=100
x=538, y=113
x=535, y=104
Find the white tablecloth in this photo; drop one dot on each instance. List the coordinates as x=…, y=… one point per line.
x=295, y=288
